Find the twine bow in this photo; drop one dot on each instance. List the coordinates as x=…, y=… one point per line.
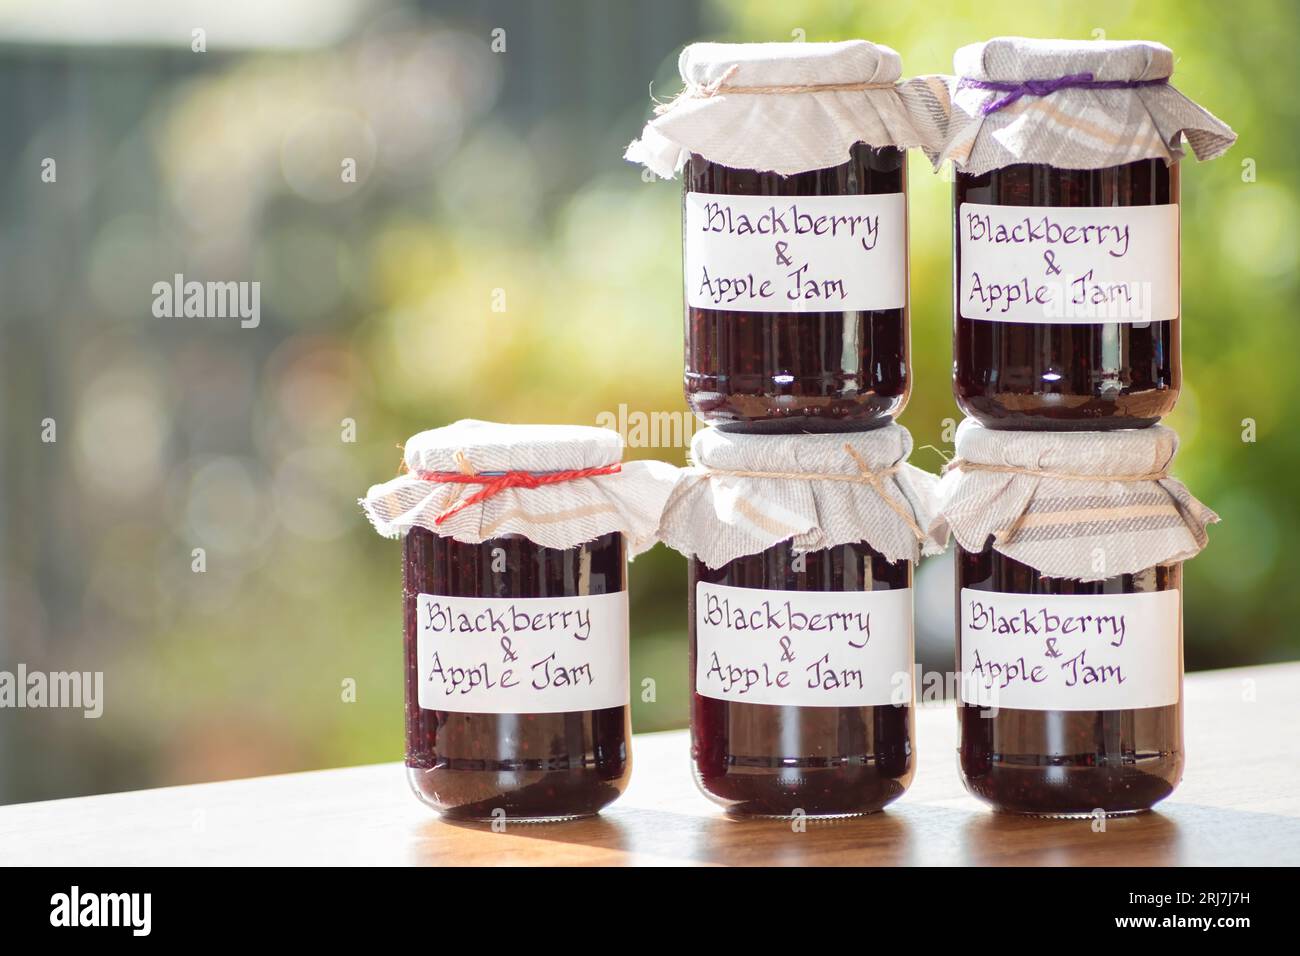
x=865, y=476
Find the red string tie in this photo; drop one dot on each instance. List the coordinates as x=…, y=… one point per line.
x=494, y=484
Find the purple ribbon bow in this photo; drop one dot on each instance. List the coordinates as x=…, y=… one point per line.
x=1016, y=90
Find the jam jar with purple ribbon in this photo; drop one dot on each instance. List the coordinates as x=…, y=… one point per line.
x=1067, y=311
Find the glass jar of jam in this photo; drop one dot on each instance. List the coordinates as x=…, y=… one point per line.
x=518, y=760
x=1049, y=370
x=794, y=215
x=777, y=362
x=1071, y=691
x=800, y=551
x=801, y=669
x=515, y=613
x=1066, y=256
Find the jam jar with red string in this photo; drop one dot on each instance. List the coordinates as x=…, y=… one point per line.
x=515, y=614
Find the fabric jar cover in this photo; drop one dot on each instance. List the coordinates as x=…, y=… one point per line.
x=798, y=129
x=1117, y=512
x=1074, y=127
x=809, y=491
x=560, y=515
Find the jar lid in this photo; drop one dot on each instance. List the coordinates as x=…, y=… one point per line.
x=789, y=64
x=1027, y=58
x=777, y=107
x=557, y=485
x=747, y=493
x=1080, y=505
x=1072, y=104
x=493, y=446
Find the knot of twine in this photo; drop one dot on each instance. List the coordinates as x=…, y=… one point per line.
x=698, y=91
x=865, y=476
x=495, y=483
x=968, y=466
x=1015, y=90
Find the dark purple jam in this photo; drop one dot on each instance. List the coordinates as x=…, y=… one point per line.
x=1067, y=762
x=531, y=766
x=1065, y=376
x=769, y=760
x=810, y=371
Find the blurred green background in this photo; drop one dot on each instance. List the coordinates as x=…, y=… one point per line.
x=481, y=174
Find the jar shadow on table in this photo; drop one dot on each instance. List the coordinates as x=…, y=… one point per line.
x=716, y=838
x=881, y=838
x=1149, y=838
x=598, y=831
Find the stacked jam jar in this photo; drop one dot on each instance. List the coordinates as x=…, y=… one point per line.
x=799, y=516
x=1069, y=531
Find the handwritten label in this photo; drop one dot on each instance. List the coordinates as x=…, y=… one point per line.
x=1071, y=651
x=522, y=655
x=1046, y=265
x=796, y=254
x=803, y=648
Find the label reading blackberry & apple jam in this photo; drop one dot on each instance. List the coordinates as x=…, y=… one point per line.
x=522, y=655
x=796, y=253
x=1071, y=651
x=803, y=648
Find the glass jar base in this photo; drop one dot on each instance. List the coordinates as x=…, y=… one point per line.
x=804, y=425
x=736, y=813
x=756, y=412
x=1028, y=423
x=1109, y=814
x=452, y=816
x=1067, y=413
x=1077, y=792
x=524, y=797
x=758, y=797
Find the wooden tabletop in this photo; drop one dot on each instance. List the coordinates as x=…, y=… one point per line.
x=1239, y=803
